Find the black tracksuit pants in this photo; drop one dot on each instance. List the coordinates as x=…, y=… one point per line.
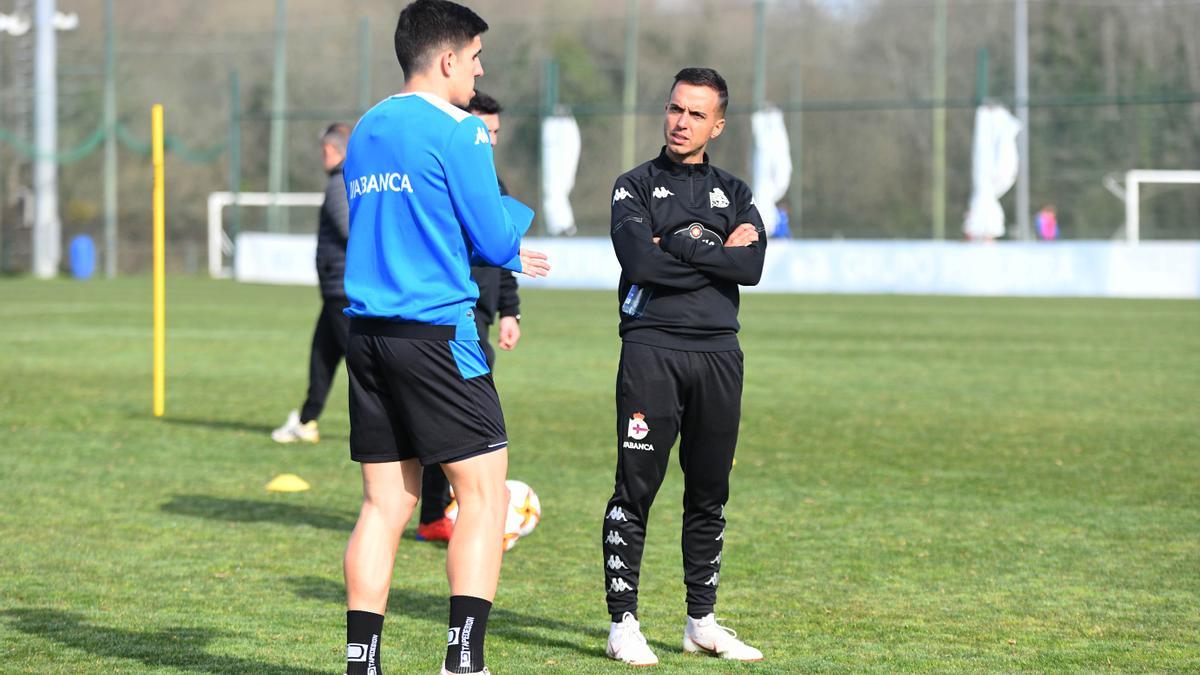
x=435, y=488
x=328, y=349
x=662, y=394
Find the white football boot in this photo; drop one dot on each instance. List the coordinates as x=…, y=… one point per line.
x=706, y=636
x=626, y=643
x=485, y=671
x=293, y=431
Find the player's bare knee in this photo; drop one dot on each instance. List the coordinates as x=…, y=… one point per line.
x=391, y=508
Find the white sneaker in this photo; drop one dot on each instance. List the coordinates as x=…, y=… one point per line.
x=293, y=431
x=708, y=637
x=485, y=671
x=626, y=643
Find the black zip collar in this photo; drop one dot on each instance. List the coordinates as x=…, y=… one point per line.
x=677, y=170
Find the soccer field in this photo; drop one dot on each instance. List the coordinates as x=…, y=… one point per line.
x=923, y=484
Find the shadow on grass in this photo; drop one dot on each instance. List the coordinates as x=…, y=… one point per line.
x=172, y=647
x=263, y=430
x=221, y=425
x=517, y=626
x=251, y=511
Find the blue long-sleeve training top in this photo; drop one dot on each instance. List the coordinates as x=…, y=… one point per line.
x=424, y=204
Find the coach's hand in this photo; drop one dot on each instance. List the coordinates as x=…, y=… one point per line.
x=744, y=235
x=510, y=332
x=534, y=264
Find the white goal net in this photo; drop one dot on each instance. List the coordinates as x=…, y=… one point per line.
x=1133, y=182
x=258, y=256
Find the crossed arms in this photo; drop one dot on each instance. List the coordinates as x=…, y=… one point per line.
x=682, y=262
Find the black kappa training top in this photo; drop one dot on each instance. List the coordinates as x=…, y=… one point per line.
x=692, y=277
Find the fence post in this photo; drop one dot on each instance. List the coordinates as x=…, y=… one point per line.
x=235, y=160
x=939, y=122
x=110, y=140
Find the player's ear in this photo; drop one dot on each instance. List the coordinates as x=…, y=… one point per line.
x=717, y=128
x=446, y=62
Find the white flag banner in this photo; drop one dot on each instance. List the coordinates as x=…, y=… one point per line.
x=561, y=146
x=772, y=164
x=993, y=170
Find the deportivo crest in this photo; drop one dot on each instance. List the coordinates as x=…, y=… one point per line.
x=717, y=199
x=620, y=194
x=662, y=193
x=638, y=427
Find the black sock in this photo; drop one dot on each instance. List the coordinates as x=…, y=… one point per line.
x=363, y=631
x=468, y=626
x=698, y=613
x=618, y=617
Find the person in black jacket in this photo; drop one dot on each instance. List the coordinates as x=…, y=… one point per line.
x=686, y=234
x=497, y=287
x=333, y=327
x=497, y=294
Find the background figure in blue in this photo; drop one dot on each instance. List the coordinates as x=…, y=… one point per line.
x=424, y=205
x=783, y=226
x=333, y=327
x=497, y=294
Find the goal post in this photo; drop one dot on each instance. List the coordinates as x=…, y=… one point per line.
x=219, y=243
x=1133, y=181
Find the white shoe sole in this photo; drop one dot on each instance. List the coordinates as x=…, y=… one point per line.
x=609, y=653
x=690, y=646
x=293, y=438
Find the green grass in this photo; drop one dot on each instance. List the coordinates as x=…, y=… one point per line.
x=923, y=484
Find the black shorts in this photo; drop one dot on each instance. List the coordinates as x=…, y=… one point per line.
x=409, y=399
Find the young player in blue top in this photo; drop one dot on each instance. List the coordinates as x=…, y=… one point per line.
x=424, y=205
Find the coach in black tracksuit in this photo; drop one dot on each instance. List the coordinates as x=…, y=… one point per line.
x=687, y=234
x=333, y=327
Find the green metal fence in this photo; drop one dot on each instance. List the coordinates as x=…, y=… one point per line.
x=879, y=98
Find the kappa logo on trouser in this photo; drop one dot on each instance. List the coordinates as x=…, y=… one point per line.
x=619, y=586
x=614, y=539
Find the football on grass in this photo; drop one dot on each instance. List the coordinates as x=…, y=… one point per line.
x=524, y=512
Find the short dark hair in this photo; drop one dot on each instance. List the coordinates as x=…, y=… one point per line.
x=704, y=77
x=337, y=135
x=429, y=25
x=482, y=104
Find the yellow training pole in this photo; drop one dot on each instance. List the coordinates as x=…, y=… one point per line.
x=160, y=285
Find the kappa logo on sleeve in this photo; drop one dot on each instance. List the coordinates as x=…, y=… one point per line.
x=620, y=194
x=481, y=136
